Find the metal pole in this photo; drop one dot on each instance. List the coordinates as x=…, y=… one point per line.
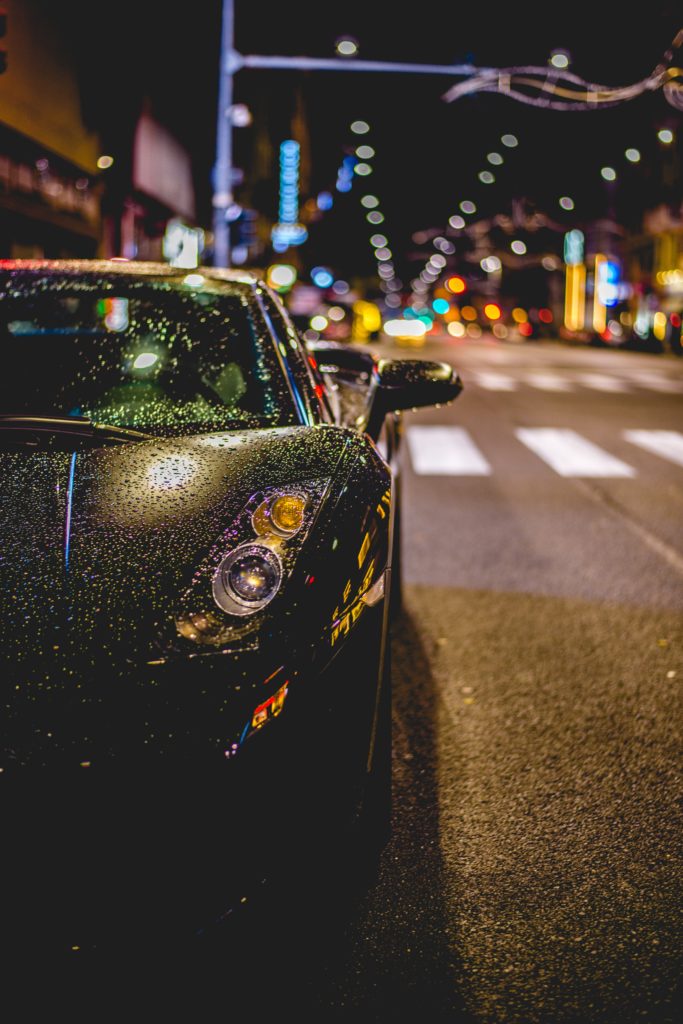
x=222, y=173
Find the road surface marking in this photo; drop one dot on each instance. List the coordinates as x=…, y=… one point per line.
x=657, y=382
x=494, y=381
x=548, y=382
x=601, y=382
x=445, y=451
x=667, y=443
x=569, y=454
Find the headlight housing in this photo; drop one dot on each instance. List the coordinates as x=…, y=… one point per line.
x=247, y=579
x=248, y=565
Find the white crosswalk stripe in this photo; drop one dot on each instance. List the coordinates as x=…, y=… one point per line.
x=543, y=381
x=569, y=454
x=451, y=451
x=494, y=381
x=667, y=443
x=549, y=382
x=445, y=451
x=657, y=382
x=602, y=382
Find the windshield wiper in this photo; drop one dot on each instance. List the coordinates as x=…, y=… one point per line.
x=69, y=426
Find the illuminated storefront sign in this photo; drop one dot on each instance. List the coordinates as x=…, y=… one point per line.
x=288, y=231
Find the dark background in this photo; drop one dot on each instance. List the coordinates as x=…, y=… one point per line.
x=428, y=152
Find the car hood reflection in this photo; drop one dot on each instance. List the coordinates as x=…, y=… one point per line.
x=94, y=542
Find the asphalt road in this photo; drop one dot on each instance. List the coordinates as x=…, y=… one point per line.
x=534, y=873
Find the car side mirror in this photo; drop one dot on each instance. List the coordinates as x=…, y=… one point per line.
x=409, y=384
x=335, y=357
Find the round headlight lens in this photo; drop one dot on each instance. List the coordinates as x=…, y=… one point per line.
x=282, y=515
x=287, y=513
x=252, y=577
x=247, y=579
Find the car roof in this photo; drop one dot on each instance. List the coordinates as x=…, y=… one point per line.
x=136, y=268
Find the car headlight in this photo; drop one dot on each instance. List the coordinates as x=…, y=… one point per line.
x=247, y=579
x=248, y=565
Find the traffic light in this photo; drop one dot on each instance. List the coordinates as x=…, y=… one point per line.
x=3, y=33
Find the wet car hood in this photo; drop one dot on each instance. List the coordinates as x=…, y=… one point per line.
x=96, y=545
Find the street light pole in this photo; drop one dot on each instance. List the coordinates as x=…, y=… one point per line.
x=222, y=173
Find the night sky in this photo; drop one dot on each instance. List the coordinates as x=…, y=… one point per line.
x=428, y=152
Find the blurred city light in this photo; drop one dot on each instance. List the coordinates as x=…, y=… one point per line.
x=608, y=173
x=633, y=155
x=566, y=202
x=374, y=217
x=510, y=141
x=486, y=177
x=456, y=221
x=341, y=288
x=467, y=206
x=378, y=240
x=456, y=284
x=346, y=46
x=325, y=200
x=440, y=306
x=456, y=329
x=559, y=59
x=492, y=311
x=363, y=169
x=405, y=328
x=360, y=127
x=281, y=276
x=491, y=264
x=336, y=313
x=105, y=161
x=321, y=277
x=318, y=322
x=369, y=202
x=240, y=115
x=365, y=152
x=518, y=247
x=494, y=158
x=664, y=135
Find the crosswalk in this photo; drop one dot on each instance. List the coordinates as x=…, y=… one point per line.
x=451, y=451
x=573, y=382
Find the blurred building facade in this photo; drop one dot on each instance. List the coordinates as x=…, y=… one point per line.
x=76, y=181
x=49, y=181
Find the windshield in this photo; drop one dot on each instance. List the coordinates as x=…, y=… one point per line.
x=151, y=356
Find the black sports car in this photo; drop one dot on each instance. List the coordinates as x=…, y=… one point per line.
x=198, y=527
